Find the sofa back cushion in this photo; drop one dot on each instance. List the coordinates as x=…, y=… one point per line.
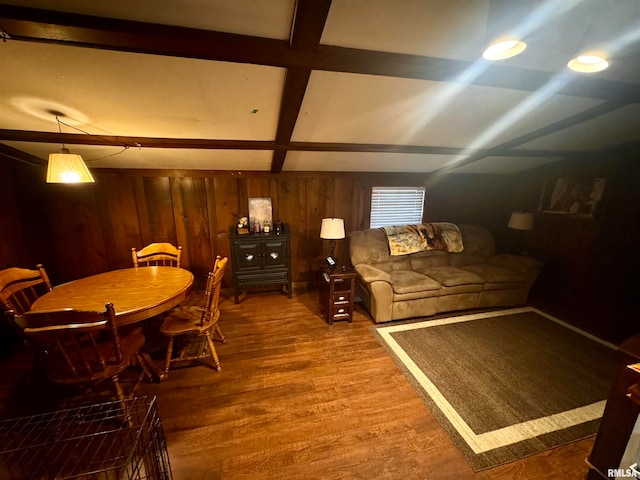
x=370, y=246
x=478, y=246
x=430, y=258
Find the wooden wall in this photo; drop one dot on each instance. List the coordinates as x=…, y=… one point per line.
x=80, y=230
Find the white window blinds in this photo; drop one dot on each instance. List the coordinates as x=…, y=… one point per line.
x=396, y=206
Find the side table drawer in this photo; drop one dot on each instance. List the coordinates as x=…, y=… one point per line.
x=342, y=297
x=262, y=278
x=340, y=311
x=341, y=285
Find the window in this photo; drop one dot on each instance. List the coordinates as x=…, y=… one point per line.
x=396, y=206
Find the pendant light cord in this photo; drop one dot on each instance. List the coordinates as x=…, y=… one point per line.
x=60, y=130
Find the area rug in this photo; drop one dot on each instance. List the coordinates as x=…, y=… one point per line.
x=505, y=384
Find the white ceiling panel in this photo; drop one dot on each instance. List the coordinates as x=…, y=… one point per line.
x=363, y=162
x=437, y=28
x=340, y=107
x=139, y=95
x=607, y=130
x=461, y=29
x=157, y=158
x=260, y=18
x=504, y=165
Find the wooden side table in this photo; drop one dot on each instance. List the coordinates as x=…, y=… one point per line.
x=337, y=291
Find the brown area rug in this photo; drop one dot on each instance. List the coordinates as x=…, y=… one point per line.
x=505, y=384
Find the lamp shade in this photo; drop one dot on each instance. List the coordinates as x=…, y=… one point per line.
x=521, y=221
x=332, y=229
x=65, y=167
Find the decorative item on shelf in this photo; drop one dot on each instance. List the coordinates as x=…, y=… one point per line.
x=522, y=221
x=260, y=213
x=573, y=196
x=243, y=226
x=67, y=167
x=278, y=227
x=332, y=229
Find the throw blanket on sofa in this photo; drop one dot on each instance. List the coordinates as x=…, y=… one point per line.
x=406, y=239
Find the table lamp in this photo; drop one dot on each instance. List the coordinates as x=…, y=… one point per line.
x=332, y=229
x=522, y=221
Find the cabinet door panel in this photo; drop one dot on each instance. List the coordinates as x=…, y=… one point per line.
x=275, y=254
x=247, y=257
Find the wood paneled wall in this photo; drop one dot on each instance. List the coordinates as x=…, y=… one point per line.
x=87, y=229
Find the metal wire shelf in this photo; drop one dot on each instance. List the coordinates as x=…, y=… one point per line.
x=104, y=441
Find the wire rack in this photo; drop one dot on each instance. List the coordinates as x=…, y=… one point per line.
x=116, y=440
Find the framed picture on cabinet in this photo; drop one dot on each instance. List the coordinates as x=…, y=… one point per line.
x=260, y=214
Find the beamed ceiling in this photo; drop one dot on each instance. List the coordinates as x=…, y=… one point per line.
x=316, y=85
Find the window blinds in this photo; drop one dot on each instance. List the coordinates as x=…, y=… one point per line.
x=396, y=206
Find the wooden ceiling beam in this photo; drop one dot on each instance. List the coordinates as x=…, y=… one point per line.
x=281, y=148
x=308, y=24
x=14, y=154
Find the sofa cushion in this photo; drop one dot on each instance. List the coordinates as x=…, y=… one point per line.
x=433, y=258
x=397, y=263
x=408, y=281
x=496, y=277
x=453, y=276
x=368, y=246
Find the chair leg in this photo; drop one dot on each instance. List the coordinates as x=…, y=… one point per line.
x=122, y=399
x=119, y=391
x=167, y=360
x=214, y=354
x=219, y=332
x=142, y=363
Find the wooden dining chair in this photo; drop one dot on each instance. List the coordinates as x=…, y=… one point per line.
x=20, y=287
x=78, y=348
x=157, y=254
x=200, y=321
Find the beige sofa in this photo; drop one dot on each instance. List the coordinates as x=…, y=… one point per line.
x=429, y=282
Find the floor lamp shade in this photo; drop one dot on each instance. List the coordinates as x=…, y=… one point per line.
x=65, y=167
x=521, y=221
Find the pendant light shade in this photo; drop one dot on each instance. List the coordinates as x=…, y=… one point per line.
x=65, y=167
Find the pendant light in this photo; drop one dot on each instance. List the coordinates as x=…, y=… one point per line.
x=67, y=167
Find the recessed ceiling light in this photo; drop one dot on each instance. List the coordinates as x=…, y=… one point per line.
x=588, y=63
x=503, y=49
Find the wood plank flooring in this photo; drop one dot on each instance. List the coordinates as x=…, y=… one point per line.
x=298, y=399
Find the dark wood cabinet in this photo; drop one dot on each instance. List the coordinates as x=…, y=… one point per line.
x=260, y=259
x=337, y=291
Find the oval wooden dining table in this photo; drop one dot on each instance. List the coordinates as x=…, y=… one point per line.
x=136, y=293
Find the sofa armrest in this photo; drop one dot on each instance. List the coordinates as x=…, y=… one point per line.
x=518, y=263
x=369, y=273
x=377, y=290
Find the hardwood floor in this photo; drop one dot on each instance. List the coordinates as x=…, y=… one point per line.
x=298, y=399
